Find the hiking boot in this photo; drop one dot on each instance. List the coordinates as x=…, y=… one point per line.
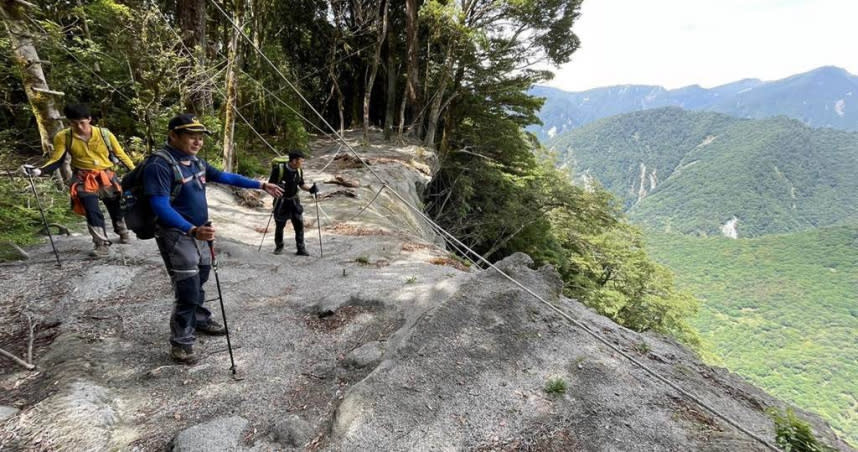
x=278, y=249
x=183, y=354
x=302, y=252
x=100, y=250
x=212, y=329
x=124, y=238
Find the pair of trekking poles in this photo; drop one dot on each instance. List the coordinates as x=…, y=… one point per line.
x=318, y=225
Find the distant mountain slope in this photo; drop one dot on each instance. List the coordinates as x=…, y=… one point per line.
x=823, y=97
x=779, y=310
x=694, y=172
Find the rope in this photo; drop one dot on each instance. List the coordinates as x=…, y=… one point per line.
x=330, y=221
x=220, y=91
x=334, y=157
x=370, y=202
x=583, y=327
x=557, y=310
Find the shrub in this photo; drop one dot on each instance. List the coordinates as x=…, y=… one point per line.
x=794, y=435
x=556, y=386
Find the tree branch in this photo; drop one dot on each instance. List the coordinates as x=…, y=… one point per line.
x=20, y=361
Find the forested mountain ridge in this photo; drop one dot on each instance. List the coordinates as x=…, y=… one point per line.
x=823, y=97
x=695, y=172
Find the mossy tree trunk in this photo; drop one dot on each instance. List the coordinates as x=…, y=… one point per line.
x=42, y=100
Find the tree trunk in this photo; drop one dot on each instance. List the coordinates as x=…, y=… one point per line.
x=412, y=66
x=437, y=99
x=390, y=96
x=43, y=101
x=191, y=18
x=373, y=69
x=231, y=93
x=402, y=105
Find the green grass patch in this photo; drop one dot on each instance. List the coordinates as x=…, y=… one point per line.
x=556, y=386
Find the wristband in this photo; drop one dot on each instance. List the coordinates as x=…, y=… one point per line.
x=192, y=232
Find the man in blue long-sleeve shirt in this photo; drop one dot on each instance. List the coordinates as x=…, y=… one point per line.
x=182, y=231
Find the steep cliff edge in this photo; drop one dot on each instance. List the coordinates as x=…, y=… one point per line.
x=384, y=343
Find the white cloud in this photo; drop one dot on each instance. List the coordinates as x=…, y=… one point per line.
x=675, y=43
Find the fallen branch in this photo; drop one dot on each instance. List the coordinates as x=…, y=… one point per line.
x=17, y=248
x=20, y=361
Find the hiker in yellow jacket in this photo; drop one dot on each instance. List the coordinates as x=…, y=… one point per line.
x=94, y=151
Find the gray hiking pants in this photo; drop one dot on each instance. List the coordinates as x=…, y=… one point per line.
x=189, y=263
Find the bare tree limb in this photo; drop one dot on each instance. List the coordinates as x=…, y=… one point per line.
x=20, y=361
x=49, y=91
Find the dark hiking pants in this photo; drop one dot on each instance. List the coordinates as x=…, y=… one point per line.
x=189, y=263
x=289, y=210
x=95, y=219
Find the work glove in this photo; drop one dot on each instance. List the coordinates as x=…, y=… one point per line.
x=314, y=189
x=30, y=170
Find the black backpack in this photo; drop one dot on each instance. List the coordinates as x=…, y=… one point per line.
x=136, y=209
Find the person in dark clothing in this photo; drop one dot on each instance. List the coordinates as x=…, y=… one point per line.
x=183, y=228
x=289, y=175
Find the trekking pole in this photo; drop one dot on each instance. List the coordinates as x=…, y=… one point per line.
x=220, y=297
x=44, y=219
x=265, y=232
x=318, y=224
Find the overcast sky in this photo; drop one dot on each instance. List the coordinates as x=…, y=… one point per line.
x=674, y=43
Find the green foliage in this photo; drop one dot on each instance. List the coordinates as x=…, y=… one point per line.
x=778, y=310
x=613, y=274
x=20, y=220
x=533, y=207
x=556, y=386
x=794, y=435
x=700, y=170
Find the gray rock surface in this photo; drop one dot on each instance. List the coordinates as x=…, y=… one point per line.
x=222, y=434
x=293, y=431
x=7, y=412
x=385, y=343
x=368, y=354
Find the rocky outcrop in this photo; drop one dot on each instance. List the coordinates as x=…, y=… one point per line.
x=371, y=343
